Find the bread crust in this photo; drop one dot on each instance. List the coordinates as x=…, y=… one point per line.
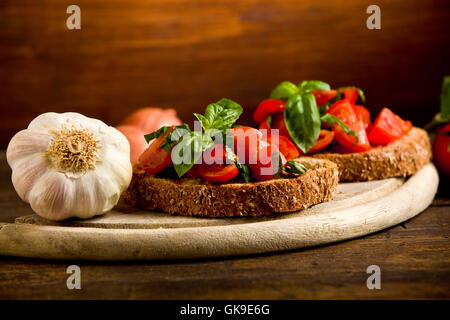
x=195, y=197
x=401, y=158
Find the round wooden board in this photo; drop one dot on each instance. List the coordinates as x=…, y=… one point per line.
x=127, y=233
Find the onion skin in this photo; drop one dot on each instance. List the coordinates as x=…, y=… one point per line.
x=142, y=122
x=135, y=137
x=151, y=119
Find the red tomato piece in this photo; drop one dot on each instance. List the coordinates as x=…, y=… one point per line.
x=215, y=155
x=246, y=143
x=350, y=93
x=387, y=128
x=441, y=150
x=286, y=147
x=363, y=114
x=218, y=173
x=155, y=158
x=278, y=123
x=325, y=138
x=264, y=126
x=269, y=163
x=323, y=96
x=343, y=110
x=268, y=106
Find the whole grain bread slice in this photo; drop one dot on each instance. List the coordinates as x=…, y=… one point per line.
x=401, y=158
x=195, y=197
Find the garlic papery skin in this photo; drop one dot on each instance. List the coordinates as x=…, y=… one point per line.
x=68, y=165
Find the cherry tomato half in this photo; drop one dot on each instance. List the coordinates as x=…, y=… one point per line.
x=215, y=155
x=343, y=110
x=387, y=128
x=268, y=106
x=218, y=173
x=246, y=143
x=441, y=150
x=268, y=163
x=286, y=147
x=323, y=96
x=325, y=138
x=155, y=158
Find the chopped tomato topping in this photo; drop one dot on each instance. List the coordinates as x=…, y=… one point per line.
x=323, y=96
x=268, y=163
x=268, y=106
x=325, y=138
x=363, y=115
x=343, y=110
x=155, y=158
x=215, y=155
x=278, y=123
x=387, y=128
x=286, y=147
x=218, y=173
x=350, y=93
x=246, y=143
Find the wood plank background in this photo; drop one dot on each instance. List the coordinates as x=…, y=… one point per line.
x=188, y=53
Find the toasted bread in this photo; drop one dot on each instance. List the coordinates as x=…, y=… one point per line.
x=195, y=197
x=400, y=158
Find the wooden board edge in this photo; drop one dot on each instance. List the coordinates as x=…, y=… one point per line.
x=50, y=242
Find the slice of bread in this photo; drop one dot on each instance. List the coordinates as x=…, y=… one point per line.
x=400, y=158
x=195, y=197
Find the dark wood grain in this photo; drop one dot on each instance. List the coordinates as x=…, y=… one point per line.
x=414, y=258
x=186, y=54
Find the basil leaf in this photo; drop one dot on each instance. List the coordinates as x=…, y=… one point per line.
x=188, y=151
x=244, y=171
x=284, y=90
x=308, y=85
x=302, y=120
x=295, y=167
x=155, y=134
x=220, y=115
x=175, y=136
x=445, y=97
x=331, y=120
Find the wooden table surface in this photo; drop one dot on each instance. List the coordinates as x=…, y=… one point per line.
x=414, y=259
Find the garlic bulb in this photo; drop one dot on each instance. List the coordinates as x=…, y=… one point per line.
x=68, y=165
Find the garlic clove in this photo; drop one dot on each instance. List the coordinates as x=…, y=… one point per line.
x=52, y=196
x=25, y=143
x=46, y=122
x=26, y=172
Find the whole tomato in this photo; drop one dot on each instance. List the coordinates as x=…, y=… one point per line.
x=441, y=150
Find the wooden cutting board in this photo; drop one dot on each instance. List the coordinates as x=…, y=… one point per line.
x=128, y=233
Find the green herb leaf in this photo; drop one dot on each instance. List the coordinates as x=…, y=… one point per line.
x=155, y=134
x=295, y=167
x=284, y=90
x=445, y=97
x=244, y=171
x=220, y=115
x=331, y=120
x=302, y=120
x=175, y=136
x=188, y=151
x=308, y=85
